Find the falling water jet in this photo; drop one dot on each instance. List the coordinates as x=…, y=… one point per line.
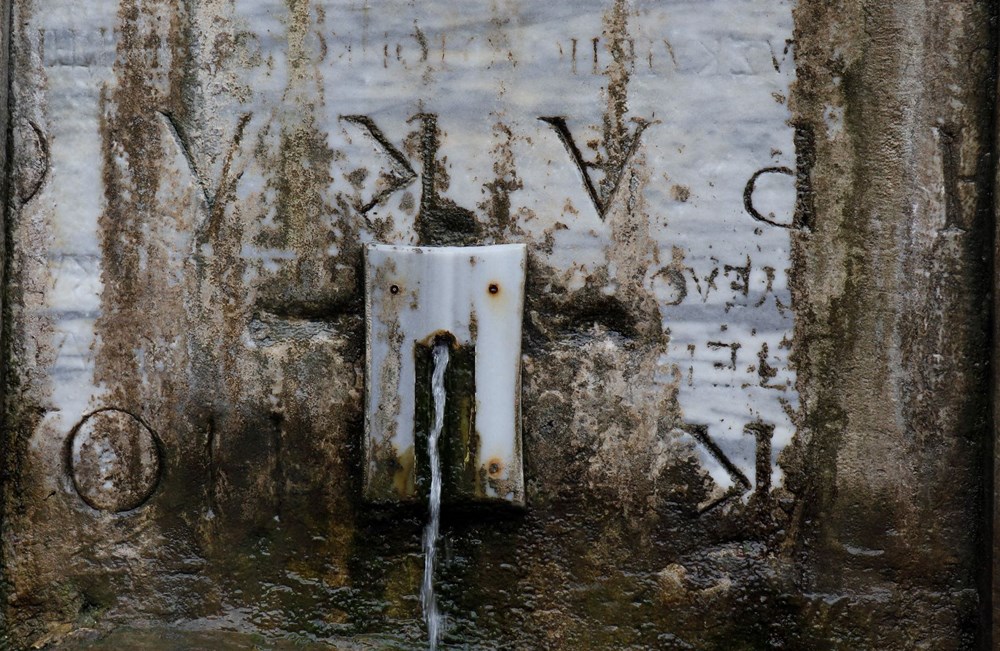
x=432, y=312
x=428, y=599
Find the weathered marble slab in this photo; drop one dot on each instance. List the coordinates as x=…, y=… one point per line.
x=198, y=184
x=670, y=120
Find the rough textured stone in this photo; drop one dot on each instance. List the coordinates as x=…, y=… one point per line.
x=890, y=286
x=190, y=187
x=114, y=460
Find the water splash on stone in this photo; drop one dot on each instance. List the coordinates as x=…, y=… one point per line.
x=428, y=599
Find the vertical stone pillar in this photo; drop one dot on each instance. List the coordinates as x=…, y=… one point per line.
x=895, y=105
x=5, y=136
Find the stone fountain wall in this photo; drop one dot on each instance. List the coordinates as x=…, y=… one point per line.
x=756, y=336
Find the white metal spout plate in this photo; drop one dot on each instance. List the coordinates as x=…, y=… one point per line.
x=476, y=294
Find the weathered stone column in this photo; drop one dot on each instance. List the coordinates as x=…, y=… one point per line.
x=896, y=105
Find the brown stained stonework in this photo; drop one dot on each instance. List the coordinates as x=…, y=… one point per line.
x=115, y=460
x=250, y=369
x=890, y=283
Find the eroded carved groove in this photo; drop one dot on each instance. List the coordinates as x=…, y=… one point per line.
x=183, y=140
x=601, y=200
x=751, y=186
x=741, y=483
x=440, y=220
x=180, y=137
x=28, y=185
x=401, y=167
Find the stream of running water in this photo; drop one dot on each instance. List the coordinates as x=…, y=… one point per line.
x=428, y=599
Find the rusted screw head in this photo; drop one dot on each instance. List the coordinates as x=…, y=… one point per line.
x=494, y=288
x=394, y=289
